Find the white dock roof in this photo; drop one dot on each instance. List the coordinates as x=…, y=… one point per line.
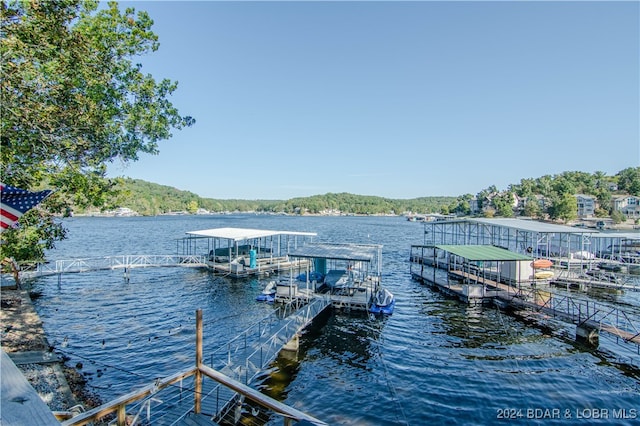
x=355, y=252
x=241, y=234
x=533, y=226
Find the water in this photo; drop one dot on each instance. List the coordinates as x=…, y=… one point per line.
x=435, y=361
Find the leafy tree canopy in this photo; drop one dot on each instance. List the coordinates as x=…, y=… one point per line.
x=73, y=100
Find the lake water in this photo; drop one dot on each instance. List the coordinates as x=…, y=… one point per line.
x=434, y=361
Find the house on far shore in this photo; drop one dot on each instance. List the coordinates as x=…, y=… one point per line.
x=125, y=211
x=628, y=205
x=586, y=205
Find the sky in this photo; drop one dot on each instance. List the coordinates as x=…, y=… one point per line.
x=393, y=99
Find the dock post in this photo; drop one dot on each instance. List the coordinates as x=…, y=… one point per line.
x=198, y=376
x=587, y=334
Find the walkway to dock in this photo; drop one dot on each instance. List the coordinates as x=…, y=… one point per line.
x=186, y=398
x=588, y=314
x=247, y=355
x=124, y=262
x=128, y=262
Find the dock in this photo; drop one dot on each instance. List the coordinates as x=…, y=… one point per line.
x=348, y=275
x=217, y=390
x=492, y=275
x=243, y=252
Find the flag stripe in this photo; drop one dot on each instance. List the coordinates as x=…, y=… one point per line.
x=15, y=202
x=9, y=213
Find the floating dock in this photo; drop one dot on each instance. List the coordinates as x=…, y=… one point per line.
x=472, y=273
x=348, y=274
x=243, y=252
x=479, y=274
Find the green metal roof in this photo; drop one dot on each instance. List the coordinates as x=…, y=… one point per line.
x=484, y=253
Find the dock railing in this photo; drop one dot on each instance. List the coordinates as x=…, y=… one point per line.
x=178, y=407
x=248, y=354
x=113, y=262
x=620, y=323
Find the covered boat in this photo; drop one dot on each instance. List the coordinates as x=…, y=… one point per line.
x=383, y=302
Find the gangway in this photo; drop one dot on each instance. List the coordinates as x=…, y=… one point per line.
x=125, y=262
x=586, y=314
x=189, y=397
x=247, y=356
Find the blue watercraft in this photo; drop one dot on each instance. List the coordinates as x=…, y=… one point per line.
x=383, y=302
x=268, y=294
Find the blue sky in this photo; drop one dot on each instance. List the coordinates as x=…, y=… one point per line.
x=395, y=99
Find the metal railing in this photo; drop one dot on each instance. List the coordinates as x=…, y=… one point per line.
x=249, y=353
x=177, y=404
x=612, y=319
x=113, y=262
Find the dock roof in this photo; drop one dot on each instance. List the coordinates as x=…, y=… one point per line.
x=483, y=253
x=533, y=225
x=621, y=235
x=241, y=234
x=353, y=252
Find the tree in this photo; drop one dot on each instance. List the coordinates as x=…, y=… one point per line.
x=618, y=217
x=503, y=204
x=192, y=206
x=72, y=101
x=532, y=208
x=629, y=180
x=564, y=207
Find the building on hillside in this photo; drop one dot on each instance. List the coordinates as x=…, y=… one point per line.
x=586, y=205
x=628, y=205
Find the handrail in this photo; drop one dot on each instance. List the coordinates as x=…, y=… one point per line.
x=119, y=404
x=581, y=311
x=113, y=262
x=200, y=371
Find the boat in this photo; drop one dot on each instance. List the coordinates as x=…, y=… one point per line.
x=543, y=275
x=268, y=293
x=383, y=302
x=542, y=263
x=313, y=276
x=612, y=267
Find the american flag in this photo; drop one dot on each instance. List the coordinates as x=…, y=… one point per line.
x=15, y=202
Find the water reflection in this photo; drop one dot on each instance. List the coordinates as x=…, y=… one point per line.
x=347, y=339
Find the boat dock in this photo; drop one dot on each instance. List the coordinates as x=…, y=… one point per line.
x=218, y=389
x=590, y=317
x=233, y=252
x=472, y=273
x=243, y=252
x=349, y=275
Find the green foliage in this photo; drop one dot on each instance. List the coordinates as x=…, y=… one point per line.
x=557, y=191
x=629, y=180
x=26, y=243
x=564, y=207
x=149, y=198
x=73, y=100
x=618, y=217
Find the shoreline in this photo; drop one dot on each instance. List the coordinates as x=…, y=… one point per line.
x=61, y=387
